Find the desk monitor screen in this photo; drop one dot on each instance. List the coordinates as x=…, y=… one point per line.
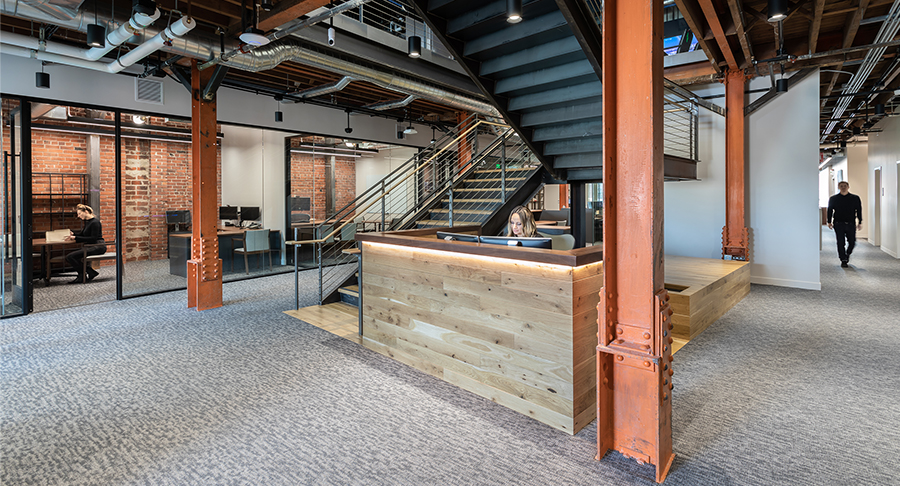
x=228, y=212
x=546, y=243
x=249, y=213
x=300, y=203
x=181, y=216
x=443, y=235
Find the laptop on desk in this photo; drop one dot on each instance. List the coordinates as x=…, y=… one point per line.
x=57, y=236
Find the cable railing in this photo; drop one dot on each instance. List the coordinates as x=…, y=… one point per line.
x=680, y=128
x=394, y=202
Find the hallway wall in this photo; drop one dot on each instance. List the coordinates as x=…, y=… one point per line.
x=884, y=152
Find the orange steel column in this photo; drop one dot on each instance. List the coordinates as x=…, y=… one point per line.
x=735, y=238
x=634, y=357
x=464, y=146
x=204, y=269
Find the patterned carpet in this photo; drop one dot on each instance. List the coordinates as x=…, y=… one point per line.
x=791, y=387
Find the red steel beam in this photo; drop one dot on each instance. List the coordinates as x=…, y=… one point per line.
x=734, y=234
x=634, y=356
x=204, y=269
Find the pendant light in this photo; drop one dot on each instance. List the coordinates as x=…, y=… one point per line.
x=414, y=43
x=514, y=11
x=279, y=116
x=252, y=35
x=42, y=79
x=96, y=33
x=777, y=10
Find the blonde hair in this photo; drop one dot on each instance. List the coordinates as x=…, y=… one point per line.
x=529, y=228
x=85, y=208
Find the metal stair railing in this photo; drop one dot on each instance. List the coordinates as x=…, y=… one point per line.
x=389, y=204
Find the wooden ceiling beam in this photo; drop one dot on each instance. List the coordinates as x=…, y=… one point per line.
x=690, y=11
x=816, y=24
x=738, y=18
x=715, y=25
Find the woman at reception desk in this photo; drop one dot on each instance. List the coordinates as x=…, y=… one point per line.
x=516, y=325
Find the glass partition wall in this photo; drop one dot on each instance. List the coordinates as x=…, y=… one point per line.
x=14, y=295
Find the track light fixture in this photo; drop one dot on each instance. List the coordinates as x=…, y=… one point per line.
x=514, y=11
x=777, y=10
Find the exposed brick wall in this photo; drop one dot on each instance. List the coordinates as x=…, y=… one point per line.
x=308, y=180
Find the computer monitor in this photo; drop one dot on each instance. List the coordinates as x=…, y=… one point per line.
x=443, y=235
x=228, y=212
x=538, y=242
x=300, y=203
x=249, y=213
x=181, y=216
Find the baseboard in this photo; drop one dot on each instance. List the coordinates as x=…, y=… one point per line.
x=781, y=282
x=890, y=252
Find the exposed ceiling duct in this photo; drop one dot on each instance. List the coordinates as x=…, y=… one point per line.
x=263, y=58
x=57, y=9
x=325, y=88
x=267, y=57
x=389, y=105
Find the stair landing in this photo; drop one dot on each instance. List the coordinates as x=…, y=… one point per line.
x=339, y=318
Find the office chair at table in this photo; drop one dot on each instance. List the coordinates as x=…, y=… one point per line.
x=256, y=242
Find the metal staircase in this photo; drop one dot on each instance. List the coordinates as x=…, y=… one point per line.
x=543, y=75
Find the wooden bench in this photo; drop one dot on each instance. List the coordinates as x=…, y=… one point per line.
x=109, y=255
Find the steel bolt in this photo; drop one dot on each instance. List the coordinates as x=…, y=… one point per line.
x=619, y=357
x=646, y=335
x=647, y=364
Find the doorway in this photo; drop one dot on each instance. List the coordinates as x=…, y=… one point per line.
x=876, y=218
x=15, y=234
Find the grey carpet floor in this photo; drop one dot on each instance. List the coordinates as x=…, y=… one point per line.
x=791, y=387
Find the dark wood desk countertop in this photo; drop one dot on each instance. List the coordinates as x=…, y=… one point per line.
x=427, y=238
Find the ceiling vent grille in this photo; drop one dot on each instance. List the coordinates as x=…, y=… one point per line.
x=148, y=91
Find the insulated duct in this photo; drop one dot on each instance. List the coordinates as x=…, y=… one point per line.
x=389, y=105
x=269, y=56
x=57, y=9
x=326, y=88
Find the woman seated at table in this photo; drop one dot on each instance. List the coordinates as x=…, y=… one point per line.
x=92, y=237
x=521, y=223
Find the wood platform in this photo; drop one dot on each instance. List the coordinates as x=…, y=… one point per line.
x=702, y=290
x=337, y=318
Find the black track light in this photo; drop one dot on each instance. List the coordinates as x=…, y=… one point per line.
x=777, y=10
x=96, y=33
x=843, y=144
x=279, y=116
x=514, y=11
x=266, y=5
x=879, y=110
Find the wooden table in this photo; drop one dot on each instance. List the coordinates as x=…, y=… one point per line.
x=180, y=247
x=45, y=248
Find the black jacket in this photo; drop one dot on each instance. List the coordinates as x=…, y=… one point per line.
x=844, y=209
x=92, y=232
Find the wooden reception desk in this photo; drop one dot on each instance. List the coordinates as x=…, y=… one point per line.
x=515, y=325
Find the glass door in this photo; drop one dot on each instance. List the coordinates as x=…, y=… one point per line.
x=15, y=247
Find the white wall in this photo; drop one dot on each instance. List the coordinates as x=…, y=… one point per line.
x=857, y=176
x=884, y=152
x=253, y=173
x=76, y=85
x=782, y=189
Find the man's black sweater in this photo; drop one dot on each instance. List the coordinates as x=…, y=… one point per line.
x=845, y=209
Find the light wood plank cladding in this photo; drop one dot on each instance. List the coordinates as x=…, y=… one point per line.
x=520, y=333
x=703, y=290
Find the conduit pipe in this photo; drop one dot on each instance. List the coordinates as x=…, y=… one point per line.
x=887, y=32
x=30, y=47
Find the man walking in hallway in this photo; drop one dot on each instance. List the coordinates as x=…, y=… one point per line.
x=843, y=211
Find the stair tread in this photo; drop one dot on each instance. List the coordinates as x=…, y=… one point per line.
x=350, y=290
x=467, y=211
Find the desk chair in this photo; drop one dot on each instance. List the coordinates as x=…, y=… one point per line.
x=562, y=242
x=255, y=242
